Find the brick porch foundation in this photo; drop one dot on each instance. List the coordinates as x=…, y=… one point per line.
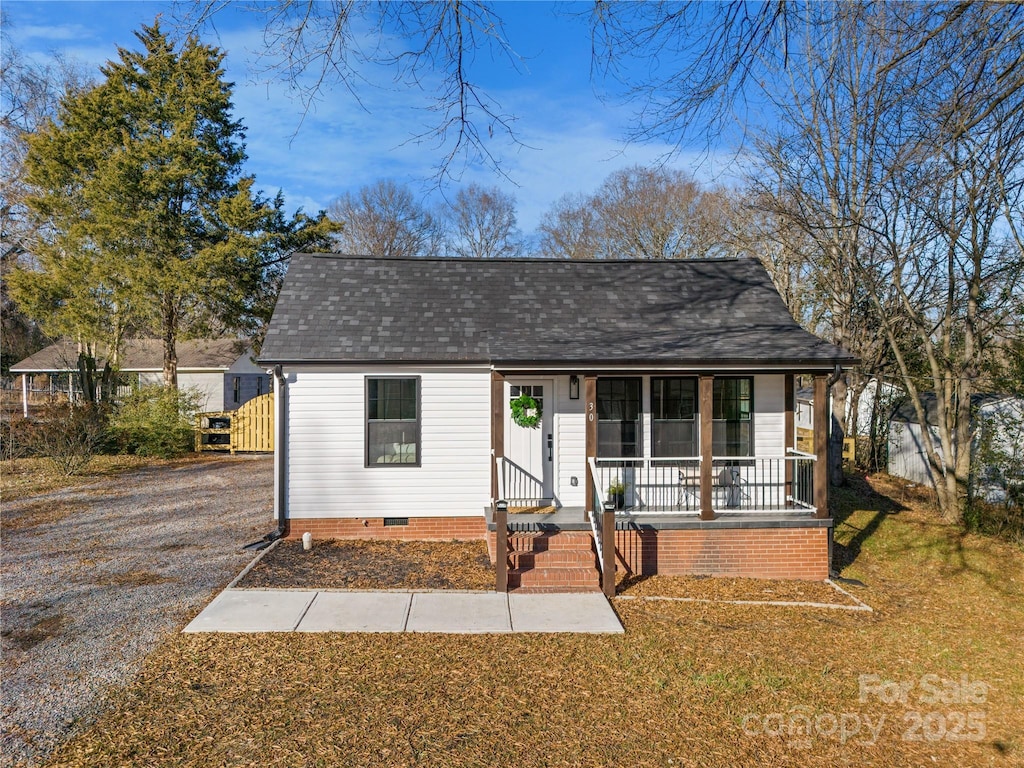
x=759, y=553
x=418, y=528
x=756, y=553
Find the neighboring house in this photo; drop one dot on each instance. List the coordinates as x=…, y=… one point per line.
x=865, y=408
x=998, y=424
x=221, y=370
x=407, y=389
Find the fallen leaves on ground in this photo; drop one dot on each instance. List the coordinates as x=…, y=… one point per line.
x=688, y=684
x=336, y=564
x=719, y=588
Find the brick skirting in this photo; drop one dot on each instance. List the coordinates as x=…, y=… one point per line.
x=760, y=553
x=418, y=529
x=757, y=553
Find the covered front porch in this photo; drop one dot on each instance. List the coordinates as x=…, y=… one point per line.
x=761, y=512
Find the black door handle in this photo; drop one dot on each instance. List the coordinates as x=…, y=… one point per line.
x=551, y=448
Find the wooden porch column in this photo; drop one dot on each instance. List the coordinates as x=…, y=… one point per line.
x=706, y=395
x=608, y=551
x=497, y=428
x=821, y=425
x=500, y=546
x=590, y=443
x=790, y=429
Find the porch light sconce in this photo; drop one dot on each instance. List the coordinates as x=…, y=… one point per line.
x=574, y=387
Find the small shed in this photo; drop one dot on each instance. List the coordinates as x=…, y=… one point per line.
x=998, y=425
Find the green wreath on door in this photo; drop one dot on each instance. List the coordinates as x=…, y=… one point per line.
x=526, y=411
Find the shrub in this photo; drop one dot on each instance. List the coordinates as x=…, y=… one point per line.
x=14, y=430
x=1004, y=521
x=157, y=421
x=68, y=435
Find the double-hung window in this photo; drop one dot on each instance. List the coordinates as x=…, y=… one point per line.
x=732, y=417
x=618, y=417
x=392, y=421
x=674, y=411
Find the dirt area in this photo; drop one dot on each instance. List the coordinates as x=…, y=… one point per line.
x=374, y=565
x=97, y=573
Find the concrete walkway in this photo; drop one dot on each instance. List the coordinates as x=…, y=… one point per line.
x=308, y=610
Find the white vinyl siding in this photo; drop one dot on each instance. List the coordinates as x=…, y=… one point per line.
x=770, y=415
x=327, y=476
x=570, y=445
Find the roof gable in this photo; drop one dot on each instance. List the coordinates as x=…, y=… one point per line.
x=514, y=311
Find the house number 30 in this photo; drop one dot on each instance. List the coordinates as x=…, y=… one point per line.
x=590, y=411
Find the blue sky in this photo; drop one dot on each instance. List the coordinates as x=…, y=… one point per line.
x=570, y=130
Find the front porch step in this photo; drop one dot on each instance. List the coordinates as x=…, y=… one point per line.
x=553, y=562
x=553, y=558
x=554, y=579
x=543, y=541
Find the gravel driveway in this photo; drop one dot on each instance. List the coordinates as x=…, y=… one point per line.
x=94, y=577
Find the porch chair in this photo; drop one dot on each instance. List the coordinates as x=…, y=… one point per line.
x=688, y=496
x=732, y=481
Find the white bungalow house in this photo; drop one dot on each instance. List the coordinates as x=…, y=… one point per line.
x=223, y=371
x=418, y=398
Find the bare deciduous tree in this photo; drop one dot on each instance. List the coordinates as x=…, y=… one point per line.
x=569, y=229
x=30, y=94
x=430, y=47
x=641, y=213
x=899, y=154
x=483, y=224
x=384, y=219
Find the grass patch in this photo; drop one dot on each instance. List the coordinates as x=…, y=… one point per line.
x=37, y=514
x=23, y=478
x=34, y=631
x=689, y=684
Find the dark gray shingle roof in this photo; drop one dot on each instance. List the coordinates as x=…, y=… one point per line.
x=344, y=308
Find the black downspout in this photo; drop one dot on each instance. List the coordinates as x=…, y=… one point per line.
x=279, y=448
x=831, y=529
x=279, y=467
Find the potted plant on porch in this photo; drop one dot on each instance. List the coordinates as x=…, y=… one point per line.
x=617, y=493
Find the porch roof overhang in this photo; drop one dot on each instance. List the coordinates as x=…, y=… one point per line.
x=607, y=367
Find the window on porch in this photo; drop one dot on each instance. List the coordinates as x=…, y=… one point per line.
x=618, y=416
x=732, y=421
x=674, y=412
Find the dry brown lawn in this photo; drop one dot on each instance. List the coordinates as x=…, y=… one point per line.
x=932, y=678
x=21, y=478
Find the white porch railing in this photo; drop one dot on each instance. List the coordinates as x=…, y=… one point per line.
x=662, y=484
x=517, y=486
x=739, y=483
x=602, y=527
x=748, y=483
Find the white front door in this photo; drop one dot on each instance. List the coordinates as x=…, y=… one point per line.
x=529, y=451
